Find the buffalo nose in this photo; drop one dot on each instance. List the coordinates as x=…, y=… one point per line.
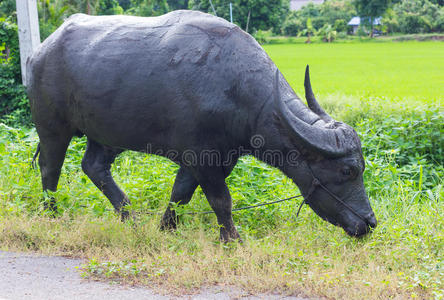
x=371, y=220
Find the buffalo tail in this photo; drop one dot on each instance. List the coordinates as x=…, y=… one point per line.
x=35, y=156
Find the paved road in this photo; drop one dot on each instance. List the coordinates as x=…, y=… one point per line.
x=28, y=276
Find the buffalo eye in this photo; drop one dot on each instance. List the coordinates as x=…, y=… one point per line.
x=346, y=171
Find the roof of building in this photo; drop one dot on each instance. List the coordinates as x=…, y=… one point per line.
x=356, y=21
x=297, y=4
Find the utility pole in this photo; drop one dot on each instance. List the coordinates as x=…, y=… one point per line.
x=248, y=21
x=28, y=29
x=212, y=7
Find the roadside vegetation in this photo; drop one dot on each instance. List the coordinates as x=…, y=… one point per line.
x=390, y=92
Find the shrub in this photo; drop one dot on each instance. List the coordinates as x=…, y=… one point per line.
x=262, y=36
x=327, y=33
x=292, y=26
x=415, y=16
x=410, y=147
x=335, y=13
x=14, y=108
x=340, y=25
x=264, y=14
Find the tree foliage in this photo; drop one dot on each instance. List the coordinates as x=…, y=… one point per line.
x=415, y=16
x=13, y=100
x=147, y=8
x=335, y=13
x=264, y=14
x=369, y=10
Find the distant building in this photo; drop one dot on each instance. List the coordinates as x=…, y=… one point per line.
x=355, y=22
x=297, y=4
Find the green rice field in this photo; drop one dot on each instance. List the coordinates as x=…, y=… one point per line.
x=392, y=70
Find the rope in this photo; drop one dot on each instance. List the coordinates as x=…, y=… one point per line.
x=243, y=208
x=212, y=212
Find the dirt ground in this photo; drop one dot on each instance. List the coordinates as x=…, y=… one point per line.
x=30, y=276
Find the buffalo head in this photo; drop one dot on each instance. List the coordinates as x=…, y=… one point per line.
x=330, y=172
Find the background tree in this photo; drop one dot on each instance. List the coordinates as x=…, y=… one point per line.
x=7, y=7
x=264, y=14
x=177, y=4
x=147, y=8
x=109, y=7
x=51, y=16
x=369, y=10
x=308, y=31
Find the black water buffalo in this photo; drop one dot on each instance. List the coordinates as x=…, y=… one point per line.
x=200, y=91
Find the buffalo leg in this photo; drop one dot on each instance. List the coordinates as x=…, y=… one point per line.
x=96, y=164
x=183, y=189
x=52, y=154
x=217, y=193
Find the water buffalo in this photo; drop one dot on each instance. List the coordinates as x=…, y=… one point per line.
x=185, y=85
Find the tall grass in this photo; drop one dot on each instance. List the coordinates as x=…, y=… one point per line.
x=401, y=258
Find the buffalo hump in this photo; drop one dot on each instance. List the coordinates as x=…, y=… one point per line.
x=128, y=81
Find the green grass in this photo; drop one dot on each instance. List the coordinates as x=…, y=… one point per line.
x=394, y=71
x=403, y=143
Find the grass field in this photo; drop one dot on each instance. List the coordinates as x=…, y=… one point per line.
x=412, y=70
x=390, y=92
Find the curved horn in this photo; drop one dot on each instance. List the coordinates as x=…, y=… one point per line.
x=331, y=142
x=311, y=100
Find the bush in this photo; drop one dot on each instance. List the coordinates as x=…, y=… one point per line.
x=264, y=14
x=413, y=144
x=292, y=26
x=14, y=107
x=262, y=36
x=415, y=16
x=327, y=33
x=334, y=13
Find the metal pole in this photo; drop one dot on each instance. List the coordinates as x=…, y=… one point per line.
x=248, y=21
x=28, y=29
x=231, y=12
x=212, y=7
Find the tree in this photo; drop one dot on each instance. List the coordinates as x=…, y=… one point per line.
x=109, y=7
x=308, y=31
x=327, y=33
x=7, y=8
x=369, y=10
x=51, y=16
x=147, y=8
x=264, y=14
x=177, y=4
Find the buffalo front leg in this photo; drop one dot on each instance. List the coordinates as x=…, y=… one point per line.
x=213, y=185
x=183, y=189
x=96, y=164
x=52, y=154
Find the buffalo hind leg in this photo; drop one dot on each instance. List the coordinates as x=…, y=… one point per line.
x=212, y=182
x=96, y=164
x=52, y=154
x=184, y=186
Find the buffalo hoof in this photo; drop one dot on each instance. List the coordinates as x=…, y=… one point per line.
x=50, y=207
x=128, y=216
x=168, y=222
x=230, y=235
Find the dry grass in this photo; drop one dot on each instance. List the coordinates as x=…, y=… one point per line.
x=316, y=259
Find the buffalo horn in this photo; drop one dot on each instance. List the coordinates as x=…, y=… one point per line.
x=331, y=142
x=311, y=100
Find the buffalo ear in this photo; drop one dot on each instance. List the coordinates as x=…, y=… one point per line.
x=311, y=100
